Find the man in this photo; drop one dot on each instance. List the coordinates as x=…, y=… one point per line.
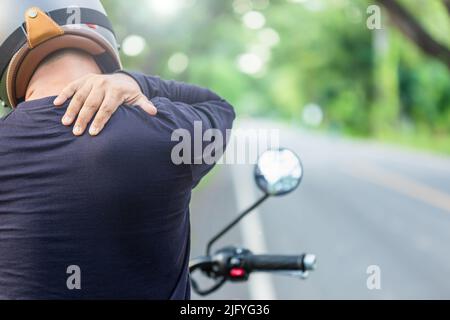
x=85, y=217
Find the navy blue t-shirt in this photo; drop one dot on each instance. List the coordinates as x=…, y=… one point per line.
x=115, y=205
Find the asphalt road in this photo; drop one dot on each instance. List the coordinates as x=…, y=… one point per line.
x=360, y=204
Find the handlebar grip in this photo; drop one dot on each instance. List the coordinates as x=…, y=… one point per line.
x=305, y=262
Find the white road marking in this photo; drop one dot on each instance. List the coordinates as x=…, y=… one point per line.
x=261, y=285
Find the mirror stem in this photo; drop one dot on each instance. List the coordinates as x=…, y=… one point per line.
x=234, y=222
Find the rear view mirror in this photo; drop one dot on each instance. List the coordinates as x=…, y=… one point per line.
x=278, y=172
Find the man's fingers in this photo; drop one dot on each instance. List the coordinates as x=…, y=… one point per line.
x=147, y=106
x=90, y=107
x=108, y=107
x=75, y=105
x=103, y=94
x=67, y=93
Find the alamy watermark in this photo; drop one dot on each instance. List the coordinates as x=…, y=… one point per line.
x=74, y=13
x=74, y=280
x=243, y=146
x=373, y=281
x=374, y=21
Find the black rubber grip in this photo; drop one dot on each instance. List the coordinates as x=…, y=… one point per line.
x=274, y=262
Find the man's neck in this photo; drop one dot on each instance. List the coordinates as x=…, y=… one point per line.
x=50, y=79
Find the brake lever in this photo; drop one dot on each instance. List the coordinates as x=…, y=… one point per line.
x=206, y=266
x=206, y=292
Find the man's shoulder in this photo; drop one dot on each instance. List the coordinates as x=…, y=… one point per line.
x=133, y=128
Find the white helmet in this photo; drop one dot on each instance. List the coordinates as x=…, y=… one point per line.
x=31, y=30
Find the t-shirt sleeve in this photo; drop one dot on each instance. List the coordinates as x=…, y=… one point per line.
x=196, y=116
x=153, y=86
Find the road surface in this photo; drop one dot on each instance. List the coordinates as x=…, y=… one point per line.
x=360, y=204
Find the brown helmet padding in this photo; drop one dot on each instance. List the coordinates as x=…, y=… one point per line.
x=26, y=60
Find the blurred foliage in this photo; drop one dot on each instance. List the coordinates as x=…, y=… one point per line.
x=366, y=82
x=372, y=83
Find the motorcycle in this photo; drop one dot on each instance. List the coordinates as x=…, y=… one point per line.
x=277, y=173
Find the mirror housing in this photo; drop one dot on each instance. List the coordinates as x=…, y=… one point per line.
x=278, y=172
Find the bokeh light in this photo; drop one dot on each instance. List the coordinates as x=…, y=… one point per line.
x=242, y=6
x=178, y=62
x=312, y=115
x=269, y=37
x=250, y=63
x=254, y=20
x=168, y=8
x=133, y=45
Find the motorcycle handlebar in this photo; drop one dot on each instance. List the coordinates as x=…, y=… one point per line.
x=236, y=264
x=305, y=262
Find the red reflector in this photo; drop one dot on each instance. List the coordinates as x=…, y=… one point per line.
x=237, y=272
x=92, y=26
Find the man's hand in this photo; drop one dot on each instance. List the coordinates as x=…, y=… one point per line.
x=100, y=96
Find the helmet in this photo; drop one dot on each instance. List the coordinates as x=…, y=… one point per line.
x=31, y=30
